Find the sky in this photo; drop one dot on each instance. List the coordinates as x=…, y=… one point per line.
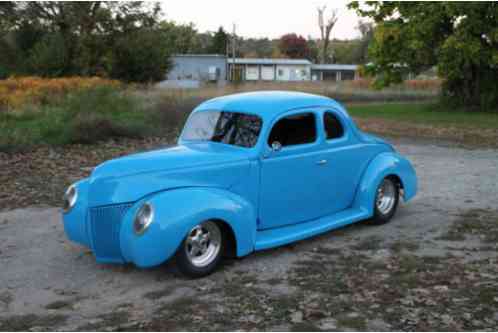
x=262, y=18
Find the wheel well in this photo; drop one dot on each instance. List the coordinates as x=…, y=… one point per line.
x=396, y=179
x=229, y=237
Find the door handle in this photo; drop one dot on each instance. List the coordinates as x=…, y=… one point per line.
x=321, y=162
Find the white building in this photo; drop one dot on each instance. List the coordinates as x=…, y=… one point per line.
x=334, y=72
x=192, y=70
x=261, y=69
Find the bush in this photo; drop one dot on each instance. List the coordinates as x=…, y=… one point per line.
x=83, y=116
x=18, y=93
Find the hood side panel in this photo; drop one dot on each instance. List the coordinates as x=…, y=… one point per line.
x=113, y=190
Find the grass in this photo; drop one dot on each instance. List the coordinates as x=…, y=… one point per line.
x=425, y=113
x=82, y=117
x=91, y=115
x=474, y=222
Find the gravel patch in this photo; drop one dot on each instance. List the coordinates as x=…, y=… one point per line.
x=432, y=268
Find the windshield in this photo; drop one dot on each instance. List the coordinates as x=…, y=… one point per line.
x=232, y=128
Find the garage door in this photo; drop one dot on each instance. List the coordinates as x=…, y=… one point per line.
x=267, y=73
x=252, y=73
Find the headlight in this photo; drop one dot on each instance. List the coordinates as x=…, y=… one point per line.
x=70, y=198
x=143, y=219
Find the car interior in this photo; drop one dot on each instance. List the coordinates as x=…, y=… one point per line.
x=294, y=130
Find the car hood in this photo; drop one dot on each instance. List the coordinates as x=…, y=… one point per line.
x=178, y=157
x=130, y=178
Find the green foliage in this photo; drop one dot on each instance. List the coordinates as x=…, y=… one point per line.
x=180, y=38
x=219, y=42
x=48, y=57
x=459, y=38
x=85, y=38
x=85, y=116
x=140, y=56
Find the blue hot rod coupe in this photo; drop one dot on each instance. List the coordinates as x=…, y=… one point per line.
x=250, y=172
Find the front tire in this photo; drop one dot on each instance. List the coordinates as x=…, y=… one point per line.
x=202, y=250
x=386, y=201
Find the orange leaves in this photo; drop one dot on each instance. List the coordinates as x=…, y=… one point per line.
x=16, y=92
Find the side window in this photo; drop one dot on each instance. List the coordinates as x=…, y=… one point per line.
x=294, y=130
x=333, y=127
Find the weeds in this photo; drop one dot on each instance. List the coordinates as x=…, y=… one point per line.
x=474, y=222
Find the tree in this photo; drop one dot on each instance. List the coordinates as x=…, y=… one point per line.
x=326, y=30
x=294, y=46
x=367, y=34
x=140, y=56
x=87, y=32
x=459, y=38
x=219, y=42
x=314, y=50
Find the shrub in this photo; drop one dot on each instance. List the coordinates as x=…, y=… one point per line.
x=83, y=116
x=17, y=93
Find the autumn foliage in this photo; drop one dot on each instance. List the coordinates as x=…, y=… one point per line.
x=18, y=92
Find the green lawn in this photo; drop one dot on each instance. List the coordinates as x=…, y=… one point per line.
x=427, y=114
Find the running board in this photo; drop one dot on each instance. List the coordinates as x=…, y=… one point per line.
x=266, y=239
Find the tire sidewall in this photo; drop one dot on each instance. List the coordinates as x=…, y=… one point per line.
x=187, y=268
x=379, y=217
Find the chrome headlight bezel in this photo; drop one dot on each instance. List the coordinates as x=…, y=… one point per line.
x=70, y=198
x=143, y=218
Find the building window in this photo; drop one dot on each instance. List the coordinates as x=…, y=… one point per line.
x=280, y=72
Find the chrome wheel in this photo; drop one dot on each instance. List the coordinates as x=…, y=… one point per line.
x=203, y=244
x=386, y=196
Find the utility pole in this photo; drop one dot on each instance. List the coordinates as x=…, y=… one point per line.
x=227, y=56
x=232, y=74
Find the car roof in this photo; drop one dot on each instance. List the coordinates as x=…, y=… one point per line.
x=267, y=104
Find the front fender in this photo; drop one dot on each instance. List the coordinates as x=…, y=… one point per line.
x=176, y=213
x=383, y=165
x=75, y=221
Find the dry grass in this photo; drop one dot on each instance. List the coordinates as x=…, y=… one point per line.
x=346, y=91
x=17, y=92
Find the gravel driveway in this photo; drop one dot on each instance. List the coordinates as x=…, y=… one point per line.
x=434, y=267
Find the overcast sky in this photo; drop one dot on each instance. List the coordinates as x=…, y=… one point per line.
x=261, y=18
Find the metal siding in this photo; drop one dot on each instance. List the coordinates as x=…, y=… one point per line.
x=196, y=67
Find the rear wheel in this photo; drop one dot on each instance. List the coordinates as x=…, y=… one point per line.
x=386, y=201
x=201, y=250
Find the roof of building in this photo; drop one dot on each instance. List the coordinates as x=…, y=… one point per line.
x=199, y=56
x=269, y=61
x=334, y=67
x=267, y=104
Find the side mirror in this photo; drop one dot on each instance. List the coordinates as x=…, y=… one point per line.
x=276, y=146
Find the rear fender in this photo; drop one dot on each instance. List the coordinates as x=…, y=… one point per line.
x=383, y=165
x=176, y=212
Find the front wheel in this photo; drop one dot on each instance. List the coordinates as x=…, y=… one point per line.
x=201, y=250
x=386, y=201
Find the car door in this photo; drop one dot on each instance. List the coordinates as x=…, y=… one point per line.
x=344, y=161
x=289, y=183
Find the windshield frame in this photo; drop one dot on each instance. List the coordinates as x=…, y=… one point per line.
x=182, y=140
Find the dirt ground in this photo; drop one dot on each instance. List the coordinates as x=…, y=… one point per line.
x=434, y=267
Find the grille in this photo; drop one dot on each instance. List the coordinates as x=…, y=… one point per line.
x=105, y=223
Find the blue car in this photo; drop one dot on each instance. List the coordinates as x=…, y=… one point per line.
x=250, y=172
